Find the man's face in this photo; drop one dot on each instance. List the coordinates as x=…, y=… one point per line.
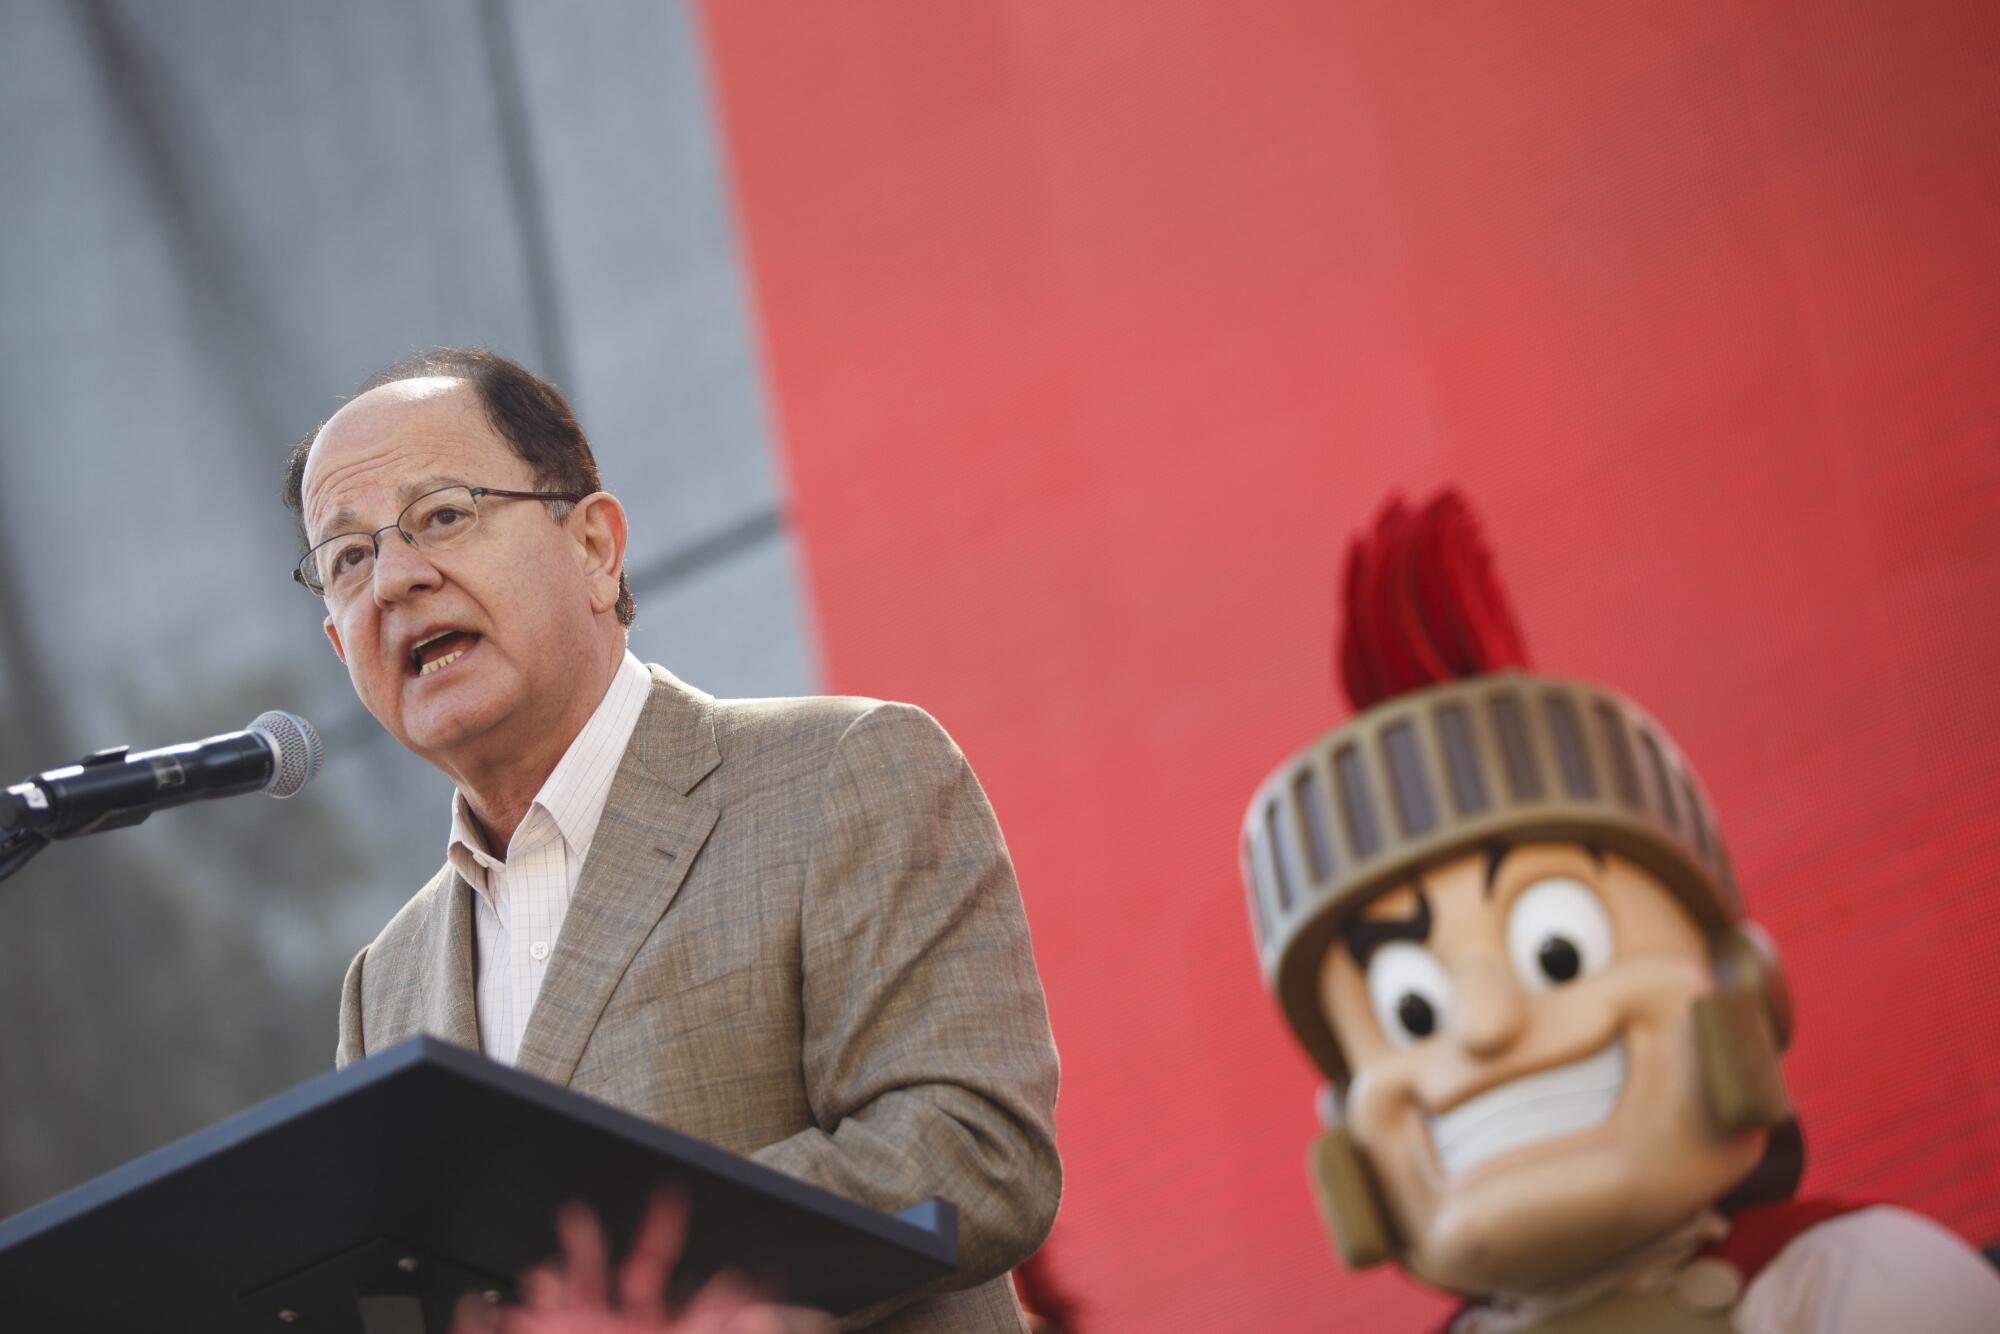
x=520, y=590
x=1526, y=1082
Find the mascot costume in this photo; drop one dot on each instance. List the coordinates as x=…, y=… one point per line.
x=1497, y=912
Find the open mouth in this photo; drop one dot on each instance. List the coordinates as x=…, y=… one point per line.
x=440, y=651
x=1548, y=1104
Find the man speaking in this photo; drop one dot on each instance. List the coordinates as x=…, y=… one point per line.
x=786, y=927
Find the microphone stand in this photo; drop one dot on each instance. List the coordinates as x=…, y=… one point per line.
x=16, y=846
x=107, y=789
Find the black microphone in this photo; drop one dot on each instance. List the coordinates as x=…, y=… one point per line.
x=112, y=789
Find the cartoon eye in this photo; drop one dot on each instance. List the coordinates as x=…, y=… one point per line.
x=1410, y=991
x=1557, y=931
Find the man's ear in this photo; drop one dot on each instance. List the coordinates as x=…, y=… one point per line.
x=598, y=525
x=333, y=638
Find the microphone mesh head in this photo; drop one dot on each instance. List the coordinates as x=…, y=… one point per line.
x=298, y=750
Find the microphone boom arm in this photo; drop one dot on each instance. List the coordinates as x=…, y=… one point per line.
x=16, y=847
x=115, y=789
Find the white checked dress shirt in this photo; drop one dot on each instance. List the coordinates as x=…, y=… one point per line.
x=520, y=902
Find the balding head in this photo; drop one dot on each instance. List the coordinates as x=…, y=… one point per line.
x=525, y=410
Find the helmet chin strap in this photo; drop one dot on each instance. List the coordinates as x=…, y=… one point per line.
x=1350, y=1201
x=1739, y=1029
x=1739, y=1063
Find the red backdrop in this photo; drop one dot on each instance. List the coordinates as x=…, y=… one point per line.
x=1095, y=328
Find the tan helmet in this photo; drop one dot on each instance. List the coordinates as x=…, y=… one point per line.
x=1428, y=776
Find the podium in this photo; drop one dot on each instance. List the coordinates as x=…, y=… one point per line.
x=367, y=1200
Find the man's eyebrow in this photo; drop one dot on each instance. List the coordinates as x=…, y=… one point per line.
x=406, y=493
x=333, y=527
x=409, y=491
x=1365, y=935
x=1496, y=853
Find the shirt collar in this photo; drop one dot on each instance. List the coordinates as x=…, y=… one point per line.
x=1648, y=1268
x=572, y=798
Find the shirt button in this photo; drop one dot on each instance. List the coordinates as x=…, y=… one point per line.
x=539, y=950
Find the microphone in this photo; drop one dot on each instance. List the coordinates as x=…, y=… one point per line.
x=278, y=753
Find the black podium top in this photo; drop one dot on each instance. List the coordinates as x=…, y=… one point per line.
x=417, y=1174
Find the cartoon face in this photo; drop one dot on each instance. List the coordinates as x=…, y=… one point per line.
x=1525, y=1081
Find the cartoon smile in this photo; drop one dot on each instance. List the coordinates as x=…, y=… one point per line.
x=1549, y=1104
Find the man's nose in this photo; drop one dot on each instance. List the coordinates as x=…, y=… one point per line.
x=401, y=569
x=1491, y=1008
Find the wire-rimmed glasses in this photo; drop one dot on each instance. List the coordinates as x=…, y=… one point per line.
x=343, y=564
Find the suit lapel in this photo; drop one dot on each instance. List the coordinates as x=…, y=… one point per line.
x=448, y=1008
x=646, y=840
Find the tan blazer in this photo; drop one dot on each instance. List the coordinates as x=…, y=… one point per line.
x=797, y=936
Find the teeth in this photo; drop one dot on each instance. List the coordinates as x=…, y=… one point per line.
x=446, y=661
x=417, y=651
x=1549, y=1104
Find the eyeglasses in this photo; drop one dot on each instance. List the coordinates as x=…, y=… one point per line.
x=343, y=564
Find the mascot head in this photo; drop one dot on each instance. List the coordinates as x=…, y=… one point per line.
x=1496, y=910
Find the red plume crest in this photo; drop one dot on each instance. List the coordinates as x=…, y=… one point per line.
x=1423, y=606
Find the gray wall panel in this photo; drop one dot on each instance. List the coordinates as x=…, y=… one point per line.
x=222, y=215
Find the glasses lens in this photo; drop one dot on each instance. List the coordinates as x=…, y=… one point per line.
x=442, y=517
x=342, y=564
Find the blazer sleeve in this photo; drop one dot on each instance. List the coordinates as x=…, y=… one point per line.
x=349, y=1047
x=929, y=1064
